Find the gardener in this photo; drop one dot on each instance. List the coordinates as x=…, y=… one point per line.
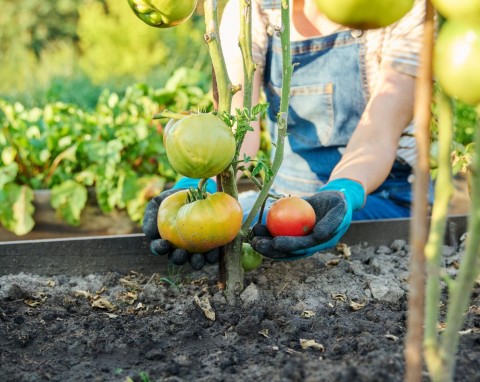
x=350, y=148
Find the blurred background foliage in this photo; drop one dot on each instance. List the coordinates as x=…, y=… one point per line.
x=70, y=50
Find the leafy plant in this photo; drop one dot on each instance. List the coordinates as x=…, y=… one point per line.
x=117, y=149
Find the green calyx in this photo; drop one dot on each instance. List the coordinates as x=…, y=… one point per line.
x=197, y=193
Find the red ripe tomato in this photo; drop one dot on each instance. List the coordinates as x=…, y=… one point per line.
x=290, y=216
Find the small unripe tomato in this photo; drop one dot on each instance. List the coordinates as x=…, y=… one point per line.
x=364, y=14
x=163, y=13
x=457, y=60
x=290, y=216
x=251, y=259
x=461, y=10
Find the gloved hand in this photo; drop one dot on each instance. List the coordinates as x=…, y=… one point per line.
x=159, y=246
x=333, y=204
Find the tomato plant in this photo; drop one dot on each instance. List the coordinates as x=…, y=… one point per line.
x=251, y=259
x=456, y=60
x=290, y=216
x=201, y=225
x=459, y=9
x=200, y=145
x=163, y=13
x=364, y=14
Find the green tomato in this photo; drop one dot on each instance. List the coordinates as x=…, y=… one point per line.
x=461, y=10
x=199, y=146
x=364, y=14
x=457, y=60
x=251, y=259
x=163, y=13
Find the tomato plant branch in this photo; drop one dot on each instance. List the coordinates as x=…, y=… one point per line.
x=282, y=116
x=468, y=272
x=212, y=38
x=443, y=194
x=418, y=227
x=245, y=42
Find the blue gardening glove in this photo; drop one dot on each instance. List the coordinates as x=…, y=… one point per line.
x=334, y=205
x=159, y=246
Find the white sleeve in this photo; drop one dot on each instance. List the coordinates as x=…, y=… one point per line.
x=230, y=29
x=403, y=41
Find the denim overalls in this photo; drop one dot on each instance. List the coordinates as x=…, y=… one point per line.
x=329, y=92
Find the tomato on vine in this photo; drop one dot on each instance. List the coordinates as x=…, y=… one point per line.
x=364, y=14
x=163, y=13
x=456, y=60
x=251, y=259
x=199, y=223
x=462, y=10
x=199, y=145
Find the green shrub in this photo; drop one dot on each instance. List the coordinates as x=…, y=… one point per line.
x=117, y=149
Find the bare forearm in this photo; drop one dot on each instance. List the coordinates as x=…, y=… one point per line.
x=372, y=149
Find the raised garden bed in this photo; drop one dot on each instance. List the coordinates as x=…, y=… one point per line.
x=336, y=316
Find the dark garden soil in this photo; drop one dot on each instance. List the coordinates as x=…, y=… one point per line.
x=331, y=317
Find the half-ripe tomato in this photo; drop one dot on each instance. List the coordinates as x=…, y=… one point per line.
x=461, y=10
x=200, y=145
x=364, y=14
x=167, y=217
x=209, y=223
x=290, y=216
x=163, y=13
x=457, y=60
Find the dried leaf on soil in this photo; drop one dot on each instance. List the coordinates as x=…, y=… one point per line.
x=391, y=337
x=306, y=344
x=308, y=313
x=264, y=333
x=36, y=300
x=344, y=249
x=339, y=297
x=356, y=305
x=130, y=284
x=103, y=303
x=332, y=263
x=129, y=297
x=83, y=293
x=204, y=305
